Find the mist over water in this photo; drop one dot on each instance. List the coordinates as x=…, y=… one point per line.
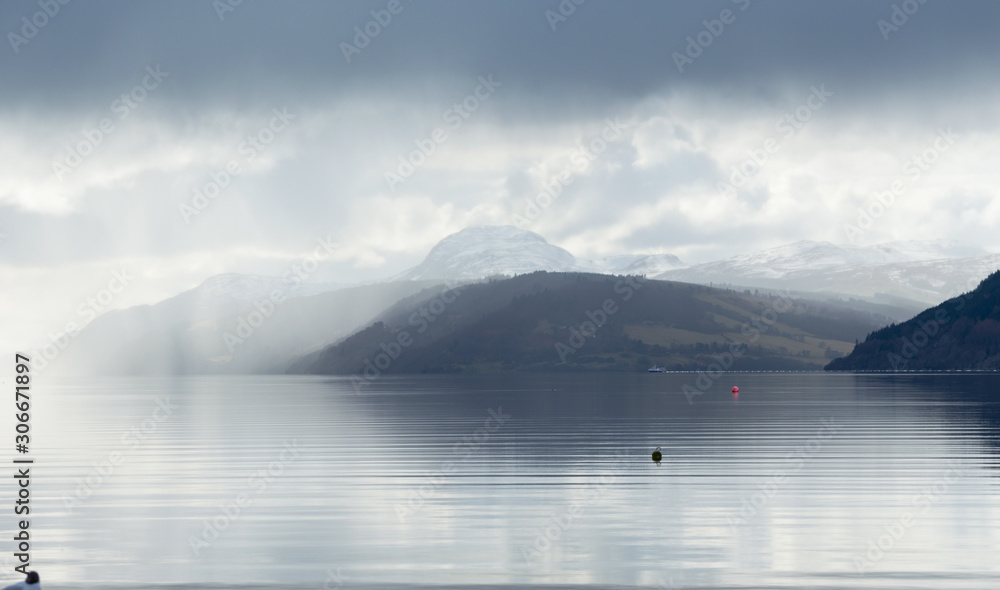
x=520, y=479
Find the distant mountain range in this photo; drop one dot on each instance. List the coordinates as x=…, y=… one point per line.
x=962, y=333
x=908, y=274
x=197, y=331
x=924, y=272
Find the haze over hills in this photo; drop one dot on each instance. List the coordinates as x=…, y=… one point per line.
x=228, y=324
x=231, y=293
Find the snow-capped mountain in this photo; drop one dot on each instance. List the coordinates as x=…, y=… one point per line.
x=912, y=251
x=928, y=272
x=924, y=272
x=635, y=264
x=482, y=251
x=807, y=255
x=489, y=250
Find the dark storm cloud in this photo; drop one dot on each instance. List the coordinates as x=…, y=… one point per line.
x=603, y=50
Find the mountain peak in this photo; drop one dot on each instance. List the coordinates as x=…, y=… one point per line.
x=494, y=232
x=486, y=250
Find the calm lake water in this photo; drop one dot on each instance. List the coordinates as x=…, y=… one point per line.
x=803, y=481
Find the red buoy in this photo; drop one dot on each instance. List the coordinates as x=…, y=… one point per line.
x=736, y=390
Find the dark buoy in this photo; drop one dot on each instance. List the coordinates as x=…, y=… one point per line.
x=736, y=390
x=657, y=455
x=32, y=583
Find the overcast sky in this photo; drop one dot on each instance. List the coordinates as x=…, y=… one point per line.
x=114, y=113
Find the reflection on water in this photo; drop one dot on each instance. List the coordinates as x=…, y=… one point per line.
x=802, y=481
